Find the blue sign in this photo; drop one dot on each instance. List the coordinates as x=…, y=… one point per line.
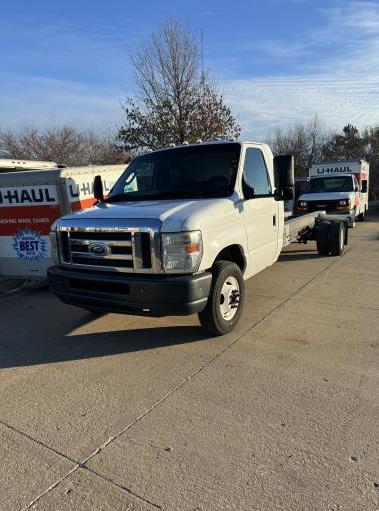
x=29, y=245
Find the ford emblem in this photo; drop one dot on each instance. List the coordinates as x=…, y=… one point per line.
x=98, y=249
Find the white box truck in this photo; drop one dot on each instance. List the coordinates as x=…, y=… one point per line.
x=338, y=187
x=31, y=200
x=181, y=231
x=16, y=165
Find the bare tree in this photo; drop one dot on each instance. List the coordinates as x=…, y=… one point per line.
x=305, y=141
x=310, y=143
x=64, y=145
x=176, y=101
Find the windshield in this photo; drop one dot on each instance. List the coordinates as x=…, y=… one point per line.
x=331, y=184
x=193, y=172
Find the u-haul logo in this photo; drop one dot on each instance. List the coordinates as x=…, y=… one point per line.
x=28, y=196
x=343, y=169
x=84, y=189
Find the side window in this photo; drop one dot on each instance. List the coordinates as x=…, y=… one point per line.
x=255, y=172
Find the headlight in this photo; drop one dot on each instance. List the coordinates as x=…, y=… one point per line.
x=345, y=202
x=181, y=251
x=54, y=247
x=303, y=204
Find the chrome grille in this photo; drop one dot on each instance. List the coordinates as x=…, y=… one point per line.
x=117, y=249
x=120, y=250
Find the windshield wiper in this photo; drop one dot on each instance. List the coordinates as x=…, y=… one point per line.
x=177, y=194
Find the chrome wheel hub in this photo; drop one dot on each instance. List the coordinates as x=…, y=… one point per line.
x=229, y=299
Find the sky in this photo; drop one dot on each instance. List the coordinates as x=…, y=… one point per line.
x=277, y=62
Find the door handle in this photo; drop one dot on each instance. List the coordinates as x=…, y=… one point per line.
x=274, y=220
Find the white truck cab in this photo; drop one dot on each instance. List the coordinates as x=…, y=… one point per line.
x=180, y=231
x=339, y=188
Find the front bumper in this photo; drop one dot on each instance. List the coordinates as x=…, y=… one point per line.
x=347, y=215
x=147, y=295
x=343, y=214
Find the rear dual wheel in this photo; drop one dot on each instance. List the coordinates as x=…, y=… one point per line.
x=331, y=239
x=322, y=240
x=337, y=239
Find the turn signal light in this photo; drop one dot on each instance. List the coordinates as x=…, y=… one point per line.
x=193, y=247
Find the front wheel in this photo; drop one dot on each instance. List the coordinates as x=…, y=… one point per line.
x=226, y=299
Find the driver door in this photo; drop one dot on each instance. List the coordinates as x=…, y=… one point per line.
x=260, y=211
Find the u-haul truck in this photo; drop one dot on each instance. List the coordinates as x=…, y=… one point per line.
x=15, y=165
x=338, y=187
x=30, y=201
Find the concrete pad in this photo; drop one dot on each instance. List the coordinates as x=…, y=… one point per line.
x=27, y=469
x=280, y=415
x=354, y=281
x=260, y=429
x=110, y=370
x=85, y=491
x=284, y=419
x=295, y=267
x=33, y=330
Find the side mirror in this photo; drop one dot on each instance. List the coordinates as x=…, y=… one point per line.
x=284, y=177
x=288, y=194
x=364, y=187
x=98, y=191
x=284, y=171
x=285, y=194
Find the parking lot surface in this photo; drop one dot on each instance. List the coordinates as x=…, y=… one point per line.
x=112, y=412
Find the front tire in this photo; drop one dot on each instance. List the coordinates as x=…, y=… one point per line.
x=226, y=299
x=354, y=219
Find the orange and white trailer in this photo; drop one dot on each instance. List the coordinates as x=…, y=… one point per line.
x=30, y=201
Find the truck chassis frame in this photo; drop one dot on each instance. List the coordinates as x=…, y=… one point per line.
x=311, y=227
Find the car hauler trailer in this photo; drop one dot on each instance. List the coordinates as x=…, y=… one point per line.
x=181, y=231
x=339, y=188
x=30, y=201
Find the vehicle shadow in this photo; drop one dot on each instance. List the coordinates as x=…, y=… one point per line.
x=36, y=328
x=297, y=255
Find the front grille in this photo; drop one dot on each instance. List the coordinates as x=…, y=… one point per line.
x=117, y=251
x=328, y=205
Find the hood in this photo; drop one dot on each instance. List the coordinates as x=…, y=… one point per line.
x=174, y=215
x=325, y=196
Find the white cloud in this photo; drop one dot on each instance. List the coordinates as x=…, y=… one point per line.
x=96, y=56
x=262, y=105
x=341, y=85
x=335, y=73
x=44, y=101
